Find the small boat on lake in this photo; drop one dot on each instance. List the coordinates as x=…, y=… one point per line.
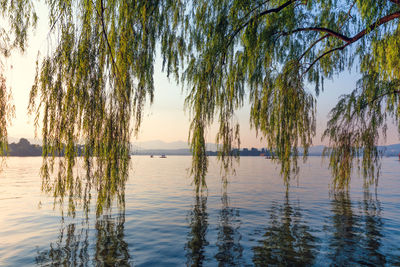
x=163, y=156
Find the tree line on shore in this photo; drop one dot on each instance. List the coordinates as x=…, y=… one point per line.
x=25, y=149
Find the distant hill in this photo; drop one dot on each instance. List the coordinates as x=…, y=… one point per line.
x=161, y=145
x=156, y=152
x=315, y=150
x=24, y=149
x=31, y=140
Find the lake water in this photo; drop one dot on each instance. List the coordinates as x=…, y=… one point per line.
x=251, y=221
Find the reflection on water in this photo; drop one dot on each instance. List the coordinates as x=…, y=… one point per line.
x=228, y=243
x=73, y=246
x=287, y=239
x=155, y=219
x=198, y=224
x=229, y=250
x=356, y=236
x=111, y=248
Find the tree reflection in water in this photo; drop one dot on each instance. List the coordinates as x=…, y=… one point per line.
x=198, y=222
x=71, y=247
x=355, y=231
x=111, y=249
x=229, y=248
x=74, y=245
x=356, y=236
x=288, y=240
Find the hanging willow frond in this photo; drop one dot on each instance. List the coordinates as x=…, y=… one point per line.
x=355, y=126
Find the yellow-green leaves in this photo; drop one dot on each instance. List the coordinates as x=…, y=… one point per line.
x=20, y=16
x=284, y=112
x=90, y=91
x=92, y=87
x=6, y=114
x=355, y=126
x=266, y=51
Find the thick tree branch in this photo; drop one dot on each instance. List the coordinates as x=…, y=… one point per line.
x=326, y=35
x=375, y=25
x=321, y=29
x=357, y=37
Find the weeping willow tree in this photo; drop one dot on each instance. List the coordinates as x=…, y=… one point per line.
x=274, y=54
x=91, y=88
x=92, y=85
x=17, y=18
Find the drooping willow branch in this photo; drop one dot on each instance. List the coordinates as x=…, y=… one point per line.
x=257, y=16
x=354, y=127
x=101, y=15
x=252, y=19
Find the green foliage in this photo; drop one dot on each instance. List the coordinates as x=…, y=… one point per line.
x=21, y=16
x=270, y=52
x=355, y=125
x=6, y=113
x=18, y=17
x=92, y=86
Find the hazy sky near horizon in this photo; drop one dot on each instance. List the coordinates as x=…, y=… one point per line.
x=165, y=119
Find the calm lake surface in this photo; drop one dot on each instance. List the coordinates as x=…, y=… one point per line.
x=251, y=221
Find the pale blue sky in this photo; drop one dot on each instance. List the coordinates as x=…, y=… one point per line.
x=165, y=120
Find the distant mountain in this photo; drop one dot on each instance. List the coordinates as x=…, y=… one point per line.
x=157, y=152
x=158, y=144
x=161, y=145
x=316, y=150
